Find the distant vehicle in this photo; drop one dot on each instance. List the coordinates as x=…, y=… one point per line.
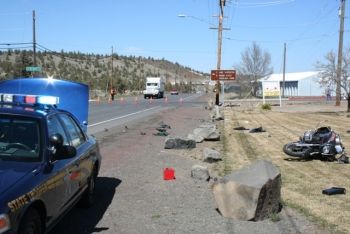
x=155, y=87
x=174, y=92
x=48, y=163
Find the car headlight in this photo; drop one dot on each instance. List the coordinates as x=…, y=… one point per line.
x=4, y=223
x=326, y=149
x=339, y=149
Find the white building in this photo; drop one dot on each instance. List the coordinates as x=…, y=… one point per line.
x=298, y=83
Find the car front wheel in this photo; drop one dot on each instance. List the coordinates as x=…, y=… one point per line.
x=31, y=223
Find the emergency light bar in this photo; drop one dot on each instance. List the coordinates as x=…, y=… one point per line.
x=28, y=99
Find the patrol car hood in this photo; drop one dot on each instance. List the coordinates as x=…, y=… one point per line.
x=11, y=173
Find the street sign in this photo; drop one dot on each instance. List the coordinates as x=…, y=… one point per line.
x=271, y=88
x=33, y=69
x=223, y=75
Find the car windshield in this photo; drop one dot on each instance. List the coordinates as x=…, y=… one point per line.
x=152, y=84
x=19, y=139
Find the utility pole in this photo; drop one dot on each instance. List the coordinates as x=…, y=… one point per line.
x=340, y=53
x=34, y=41
x=111, y=84
x=218, y=66
x=284, y=68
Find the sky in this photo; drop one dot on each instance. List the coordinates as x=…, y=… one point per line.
x=153, y=28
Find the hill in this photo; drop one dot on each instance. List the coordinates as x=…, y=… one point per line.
x=128, y=73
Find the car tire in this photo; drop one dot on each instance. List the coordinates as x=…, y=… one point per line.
x=31, y=222
x=88, y=197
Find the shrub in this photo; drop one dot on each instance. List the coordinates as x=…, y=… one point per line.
x=266, y=106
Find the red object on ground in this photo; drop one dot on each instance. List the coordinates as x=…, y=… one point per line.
x=169, y=174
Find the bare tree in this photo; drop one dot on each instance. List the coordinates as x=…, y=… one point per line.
x=328, y=73
x=255, y=64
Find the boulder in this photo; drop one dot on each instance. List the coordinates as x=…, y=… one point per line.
x=200, y=173
x=207, y=131
x=196, y=138
x=252, y=193
x=210, y=155
x=179, y=143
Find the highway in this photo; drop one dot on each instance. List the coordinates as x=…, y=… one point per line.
x=106, y=115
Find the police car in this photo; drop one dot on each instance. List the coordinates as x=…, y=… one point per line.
x=48, y=163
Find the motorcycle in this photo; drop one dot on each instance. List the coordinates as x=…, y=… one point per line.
x=322, y=142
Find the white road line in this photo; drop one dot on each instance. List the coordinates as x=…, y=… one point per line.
x=121, y=117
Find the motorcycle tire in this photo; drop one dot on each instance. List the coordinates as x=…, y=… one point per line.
x=297, y=151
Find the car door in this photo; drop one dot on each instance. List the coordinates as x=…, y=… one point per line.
x=84, y=150
x=66, y=171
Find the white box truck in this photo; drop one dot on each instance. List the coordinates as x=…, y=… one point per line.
x=155, y=87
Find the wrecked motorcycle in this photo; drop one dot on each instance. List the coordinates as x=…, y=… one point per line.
x=322, y=142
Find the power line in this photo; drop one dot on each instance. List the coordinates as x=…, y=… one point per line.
x=20, y=43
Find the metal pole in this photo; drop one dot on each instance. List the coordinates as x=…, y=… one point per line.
x=111, y=84
x=34, y=41
x=340, y=53
x=284, y=69
x=218, y=66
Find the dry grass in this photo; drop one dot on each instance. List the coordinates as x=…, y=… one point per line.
x=303, y=181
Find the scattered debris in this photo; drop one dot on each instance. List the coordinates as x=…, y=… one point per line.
x=161, y=129
x=163, y=125
x=343, y=159
x=240, y=128
x=256, y=130
x=334, y=190
x=161, y=134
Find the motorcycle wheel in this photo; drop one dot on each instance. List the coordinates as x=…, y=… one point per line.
x=296, y=151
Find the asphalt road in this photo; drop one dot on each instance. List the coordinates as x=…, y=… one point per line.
x=106, y=115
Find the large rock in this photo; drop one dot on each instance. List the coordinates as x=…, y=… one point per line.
x=196, y=138
x=210, y=155
x=200, y=173
x=207, y=131
x=179, y=143
x=252, y=193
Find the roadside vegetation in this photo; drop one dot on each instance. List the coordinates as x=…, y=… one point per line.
x=303, y=181
x=127, y=74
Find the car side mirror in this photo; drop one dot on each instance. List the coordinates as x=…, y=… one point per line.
x=65, y=152
x=61, y=151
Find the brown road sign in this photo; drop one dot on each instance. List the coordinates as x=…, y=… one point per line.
x=223, y=74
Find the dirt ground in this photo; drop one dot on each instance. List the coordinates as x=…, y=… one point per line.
x=303, y=181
